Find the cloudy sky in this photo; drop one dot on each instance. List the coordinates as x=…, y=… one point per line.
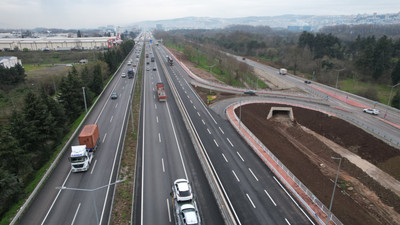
x=95, y=13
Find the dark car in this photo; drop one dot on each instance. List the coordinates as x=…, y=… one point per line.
x=307, y=82
x=250, y=92
x=154, y=69
x=114, y=95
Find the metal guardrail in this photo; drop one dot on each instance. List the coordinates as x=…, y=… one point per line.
x=314, y=199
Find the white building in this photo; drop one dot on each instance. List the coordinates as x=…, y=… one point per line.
x=9, y=61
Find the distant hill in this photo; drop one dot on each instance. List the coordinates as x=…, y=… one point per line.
x=295, y=22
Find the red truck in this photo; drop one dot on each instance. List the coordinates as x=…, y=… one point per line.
x=89, y=136
x=162, y=97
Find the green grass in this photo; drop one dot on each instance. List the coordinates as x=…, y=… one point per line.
x=355, y=86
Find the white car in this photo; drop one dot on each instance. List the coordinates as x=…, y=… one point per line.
x=189, y=215
x=182, y=190
x=123, y=75
x=371, y=111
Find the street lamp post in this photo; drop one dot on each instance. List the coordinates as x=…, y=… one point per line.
x=333, y=193
x=84, y=97
x=390, y=96
x=91, y=190
x=337, y=77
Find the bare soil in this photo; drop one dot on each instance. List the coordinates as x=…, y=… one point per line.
x=358, y=199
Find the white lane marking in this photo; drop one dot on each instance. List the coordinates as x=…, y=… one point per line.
x=123, y=87
x=188, y=96
x=159, y=137
x=270, y=198
x=169, y=213
x=208, y=131
x=240, y=156
x=194, y=107
x=198, y=113
x=191, y=101
x=237, y=178
x=250, y=200
x=111, y=118
x=116, y=105
x=216, y=143
x=162, y=162
x=221, y=130
x=104, y=138
x=253, y=174
x=153, y=89
x=230, y=142
x=287, y=221
x=155, y=106
x=94, y=165
x=154, y=97
x=76, y=213
x=224, y=157
x=157, y=118
x=277, y=181
x=203, y=122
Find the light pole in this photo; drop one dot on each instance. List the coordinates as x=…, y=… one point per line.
x=84, y=97
x=334, y=187
x=337, y=78
x=91, y=190
x=390, y=96
x=240, y=111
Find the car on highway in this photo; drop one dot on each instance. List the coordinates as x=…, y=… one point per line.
x=182, y=190
x=134, y=65
x=189, y=215
x=114, y=95
x=250, y=92
x=371, y=111
x=123, y=75
x=147, y=68
x=307, y=82
x=154, y=69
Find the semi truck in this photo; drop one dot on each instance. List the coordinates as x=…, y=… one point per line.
x=162, y=97
x=131, y=73
x=282, y=71
x=82, y=154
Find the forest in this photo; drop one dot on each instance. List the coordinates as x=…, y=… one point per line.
x=36, y=130
x=362, y=54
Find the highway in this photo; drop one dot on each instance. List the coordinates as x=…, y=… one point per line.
x=85, y=205
x=255, y=195
x=166, y=154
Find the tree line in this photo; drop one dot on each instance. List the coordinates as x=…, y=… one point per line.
x=34, y=130
x=320, y=56
x=13, y=75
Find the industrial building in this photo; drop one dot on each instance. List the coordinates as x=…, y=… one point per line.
x=9, y=61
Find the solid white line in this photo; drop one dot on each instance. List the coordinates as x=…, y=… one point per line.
x=116, y=105
x=198, y=113
x=224, y=157
x=287, y=221
x=230, y=142
x=208, y=131
x=250, y=200
x=169, y=213
x=76, y=213
x=94, y=165
x=155, y=106
x=203, y=122
x=162, y=162
x=221, y=130
x=157, y=118
x=240, y=156
x=104, y=138
x=237, y=178
x=270, y=198
x=159, y=137
x=293, y=199
x=216, y=143
x=253, y=174
x=111, y=118
x=58, y=194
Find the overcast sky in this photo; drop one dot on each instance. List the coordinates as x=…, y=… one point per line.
x=95, y=13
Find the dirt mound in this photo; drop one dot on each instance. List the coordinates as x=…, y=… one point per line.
x=359, y=199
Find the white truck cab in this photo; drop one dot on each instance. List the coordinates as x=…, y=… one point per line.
x=80, y=158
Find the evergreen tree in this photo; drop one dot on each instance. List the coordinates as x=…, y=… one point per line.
x=396, y=100
x=10, y=190
x=396, y=73
x=70, y=95
x=97, y=83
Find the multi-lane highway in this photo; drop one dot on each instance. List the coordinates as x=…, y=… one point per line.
x=82, y=204
x=255, y=195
